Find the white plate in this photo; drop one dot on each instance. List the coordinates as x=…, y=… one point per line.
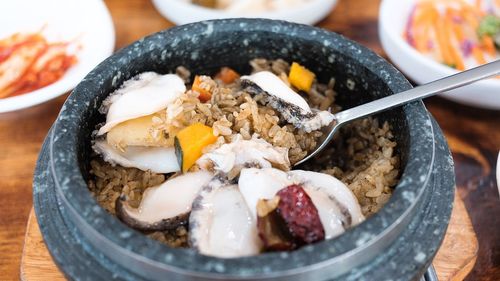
x=182, y=12
x=498, y=173
x=421, y=69
x=87, y=20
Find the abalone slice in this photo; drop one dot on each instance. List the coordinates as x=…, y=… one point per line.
x=256, y=184
x=145, y=94
x=240, y=152
x=220, y=223
x=156, y=159
x=273, y=85
x=290, y=104
x=337, y=206
x=166, y=206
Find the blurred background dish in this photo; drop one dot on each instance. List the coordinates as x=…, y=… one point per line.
x=498, y=173
x=299, y=11
x=394, y=23
x=84, y=26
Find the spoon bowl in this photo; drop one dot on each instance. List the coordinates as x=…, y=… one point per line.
x=430, y=89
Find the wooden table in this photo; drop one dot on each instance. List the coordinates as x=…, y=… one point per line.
x=473, y=135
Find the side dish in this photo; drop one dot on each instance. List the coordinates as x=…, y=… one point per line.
x=460, y=34
x=28, y=61
x=251, y=6
x=206, y=161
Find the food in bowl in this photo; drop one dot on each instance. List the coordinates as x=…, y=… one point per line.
x=460, y=34
x=210, y=167
x=28, y=61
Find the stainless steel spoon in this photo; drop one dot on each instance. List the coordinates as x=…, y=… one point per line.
x=445, y=84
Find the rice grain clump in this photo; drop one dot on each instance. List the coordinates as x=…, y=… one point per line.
x=362, y=156
x=364, y=160
x=232, y=111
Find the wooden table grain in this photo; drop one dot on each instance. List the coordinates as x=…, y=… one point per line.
x=473, y=135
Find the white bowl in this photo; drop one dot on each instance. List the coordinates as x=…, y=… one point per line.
x=182, y=12
x=88, y=21
x=421, y=69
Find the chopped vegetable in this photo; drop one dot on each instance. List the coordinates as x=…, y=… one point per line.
x=444, y=43
x=189, y=143
x=203, y=90
x=488, y=45
x=478, y=55
x=301, y=77
x=227, y=75
x=489, y=26
x=454, y=52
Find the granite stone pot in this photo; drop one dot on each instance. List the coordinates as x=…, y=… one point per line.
x=398, y=242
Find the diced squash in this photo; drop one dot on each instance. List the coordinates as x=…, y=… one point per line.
x=227, y=75
x=135, y=132
x=205, y=94
x=301, y=77
x=189, y=143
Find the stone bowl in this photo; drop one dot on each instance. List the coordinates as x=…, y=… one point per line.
x=398, y=242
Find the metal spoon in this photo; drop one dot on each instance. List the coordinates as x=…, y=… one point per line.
x=445, y=84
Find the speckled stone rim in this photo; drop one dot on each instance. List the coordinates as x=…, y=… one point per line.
x=330, y=257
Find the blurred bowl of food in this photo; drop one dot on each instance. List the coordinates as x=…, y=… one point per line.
x=428, y=40
x=47, y=49
x=299, y=11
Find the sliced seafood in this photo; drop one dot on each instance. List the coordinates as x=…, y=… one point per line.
x=156, y=159
x=337, y=207
x=166, y=206
x=240, y=153
x=220, y=223
x=290, y=104
x=273, y=85
x=145, y=94
x=256, y=184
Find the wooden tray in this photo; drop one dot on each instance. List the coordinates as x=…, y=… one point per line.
x=454, y=260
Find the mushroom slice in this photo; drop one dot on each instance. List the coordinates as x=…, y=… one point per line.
x=166, y=206
x=289, y=103
x=156, y=159
x=337, y=206
x=145, y=94
x=241, y=152
x=220, y=223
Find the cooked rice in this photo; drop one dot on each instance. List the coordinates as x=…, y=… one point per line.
x=362, y=156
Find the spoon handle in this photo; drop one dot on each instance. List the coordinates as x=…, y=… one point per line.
x=445, y=84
